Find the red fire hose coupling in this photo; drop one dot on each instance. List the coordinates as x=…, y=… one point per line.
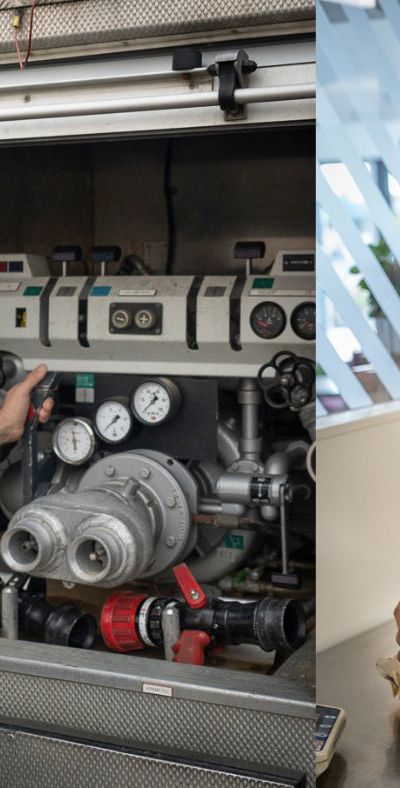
x=118, y=621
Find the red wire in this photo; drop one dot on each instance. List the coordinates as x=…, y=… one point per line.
x=23, y=63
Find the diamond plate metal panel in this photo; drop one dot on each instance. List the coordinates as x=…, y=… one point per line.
x=5, y=4
x=98, y=21
x=28, y=760
x=107, y=713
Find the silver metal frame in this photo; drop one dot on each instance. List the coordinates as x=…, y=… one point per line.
x=133, y=701
x=118, y=96
x=128, y=700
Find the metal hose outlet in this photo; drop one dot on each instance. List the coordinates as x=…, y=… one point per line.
x=30, y=547
x=95, y=555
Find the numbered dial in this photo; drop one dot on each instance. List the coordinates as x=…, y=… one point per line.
x=268, y=320
x=155, y=401
x=114, y=421
x=303, y=321
x=74, y=441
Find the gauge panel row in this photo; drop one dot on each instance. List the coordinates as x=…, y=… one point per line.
x=152, y=402
x=268, y=320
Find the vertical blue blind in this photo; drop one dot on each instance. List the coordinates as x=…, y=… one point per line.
x=358, y=252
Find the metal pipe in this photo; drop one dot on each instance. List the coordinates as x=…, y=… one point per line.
x=215, y=506
x=147, y=103
x=9, y=613
x=171, y=629
x=249, y=398
x=228, y=445
x=284, y=540
x=108, y=79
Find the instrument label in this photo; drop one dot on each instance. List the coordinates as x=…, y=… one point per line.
x=136, y=292
x=158, y=689
x=9, y=287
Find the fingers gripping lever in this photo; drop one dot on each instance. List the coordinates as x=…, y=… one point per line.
x=30, y=476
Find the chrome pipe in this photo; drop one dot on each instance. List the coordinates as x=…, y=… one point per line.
x=156, y=103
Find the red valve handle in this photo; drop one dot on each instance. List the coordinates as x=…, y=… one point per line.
x=190, y=647
x=193, y=593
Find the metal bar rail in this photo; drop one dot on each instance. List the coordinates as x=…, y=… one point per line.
x=158, y=102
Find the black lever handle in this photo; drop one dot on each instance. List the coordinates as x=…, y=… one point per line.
x=46, y=388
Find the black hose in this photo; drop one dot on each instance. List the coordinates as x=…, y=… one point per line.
x=269, y=623
x=64, y=625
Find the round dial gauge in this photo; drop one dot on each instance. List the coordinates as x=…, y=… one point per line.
x=303, y=321
x=74, y=441
x=155, y=401
x=114, y=420
x=268, y=320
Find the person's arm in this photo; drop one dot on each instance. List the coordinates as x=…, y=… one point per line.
x=14, y=412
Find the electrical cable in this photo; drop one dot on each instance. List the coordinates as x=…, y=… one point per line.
x=16, y=42
x=169, y=204
x=17, y=26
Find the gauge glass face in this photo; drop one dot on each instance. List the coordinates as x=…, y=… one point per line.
x=74, y=441
x=152, y=402
x=113, y=421
x=303, y=321
x=268, y=320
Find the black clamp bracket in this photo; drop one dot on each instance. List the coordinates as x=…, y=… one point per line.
x=232, y=70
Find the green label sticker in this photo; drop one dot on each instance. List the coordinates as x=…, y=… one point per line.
x=263, y=283
x=234, y=541
x=84, y=380
x=84, y=387
x=32, y=291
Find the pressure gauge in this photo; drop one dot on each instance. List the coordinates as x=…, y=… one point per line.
x=74, y=441
x=114, y=420
x=303, y=320
x=155, y=401
x=268, y=320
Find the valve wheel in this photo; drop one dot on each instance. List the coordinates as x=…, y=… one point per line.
x=292, y=383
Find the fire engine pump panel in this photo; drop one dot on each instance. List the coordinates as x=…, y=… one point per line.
x=166, y=510
x=181, y=465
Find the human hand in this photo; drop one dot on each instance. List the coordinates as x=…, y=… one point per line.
x=397, y=619
x=14, y=412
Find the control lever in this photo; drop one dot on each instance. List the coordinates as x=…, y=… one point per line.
x=105, y=255
x=65, y=255
x=190, y=648
x=249, y=251
x=292, y=382
x=284, y=579
x=46, y=388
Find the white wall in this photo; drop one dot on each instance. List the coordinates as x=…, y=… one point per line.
x=358, y=521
